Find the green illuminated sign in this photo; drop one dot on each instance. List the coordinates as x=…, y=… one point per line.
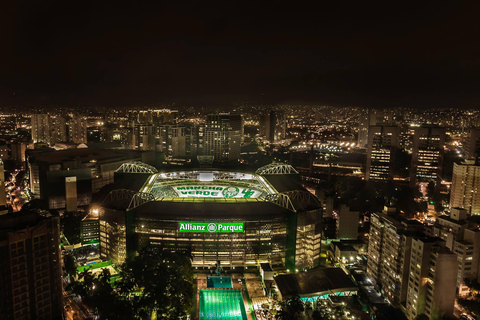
x=216, y=191
x=210, y=227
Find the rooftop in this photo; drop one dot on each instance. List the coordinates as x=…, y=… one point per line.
x=315, y=282
x=85, y=155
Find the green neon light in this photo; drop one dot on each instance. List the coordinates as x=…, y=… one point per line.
x=216, y=191
x=210, y=227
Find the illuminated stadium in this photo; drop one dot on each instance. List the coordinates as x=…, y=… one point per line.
x=239, y=218
x=207, y=184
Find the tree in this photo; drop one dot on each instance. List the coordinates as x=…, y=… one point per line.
x=291, y=309
x=70, y=265
x=316, y=315
x=165, y=279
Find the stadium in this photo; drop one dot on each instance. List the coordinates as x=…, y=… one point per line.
x=237, y=218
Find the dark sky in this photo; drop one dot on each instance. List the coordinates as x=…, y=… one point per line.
x=335, y=53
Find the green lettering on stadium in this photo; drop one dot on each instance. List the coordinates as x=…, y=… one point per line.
x=210, y=227
x=216, y=191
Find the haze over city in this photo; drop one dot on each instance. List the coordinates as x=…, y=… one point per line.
x=339, y=54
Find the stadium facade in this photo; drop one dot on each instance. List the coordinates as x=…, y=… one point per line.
x=239, y=218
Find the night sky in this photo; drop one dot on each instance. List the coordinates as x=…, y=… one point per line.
x=199, y=53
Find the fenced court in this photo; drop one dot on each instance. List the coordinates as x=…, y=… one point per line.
x=226, y=304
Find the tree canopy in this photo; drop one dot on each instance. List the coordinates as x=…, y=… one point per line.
x=157, y=283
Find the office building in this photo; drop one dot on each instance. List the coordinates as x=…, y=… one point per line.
x=465, y=190
x=383, y=142
x=92, y=169
x=90, y=228
x=369, y=118
x=223, y=137
x=30, y=267
x=427, y=155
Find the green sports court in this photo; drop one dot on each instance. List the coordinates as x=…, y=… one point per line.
x=224, y=304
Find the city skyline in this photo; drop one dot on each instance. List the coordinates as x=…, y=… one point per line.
x=249, y=161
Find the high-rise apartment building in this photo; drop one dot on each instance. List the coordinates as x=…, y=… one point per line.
x=464, y=241
x=179, y=142
x=3, y=195
x=48, y=129
x=465, y=190
x=77, y=129
x=4, y=150
x=383, y=142
x=41, y=128
x=273, y=126
x=144, y=137
x=427, y=154
x=468, y=257
x=223, y=136
x=30, y=267
x=58, y=129
x=157, y=117
x=18, y=149
x=172, y=140
x=432, y=279
x=472, y=146
x=389, y=254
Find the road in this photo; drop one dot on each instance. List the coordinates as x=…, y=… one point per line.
x=75, y=310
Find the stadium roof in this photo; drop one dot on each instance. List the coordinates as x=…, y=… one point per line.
x=130, y=181
x=285, y=182
x=136, y=167
x=315, y=282
x=201, y=188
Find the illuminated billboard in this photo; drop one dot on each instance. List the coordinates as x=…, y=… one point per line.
x=210, y=227
x=216, y=191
